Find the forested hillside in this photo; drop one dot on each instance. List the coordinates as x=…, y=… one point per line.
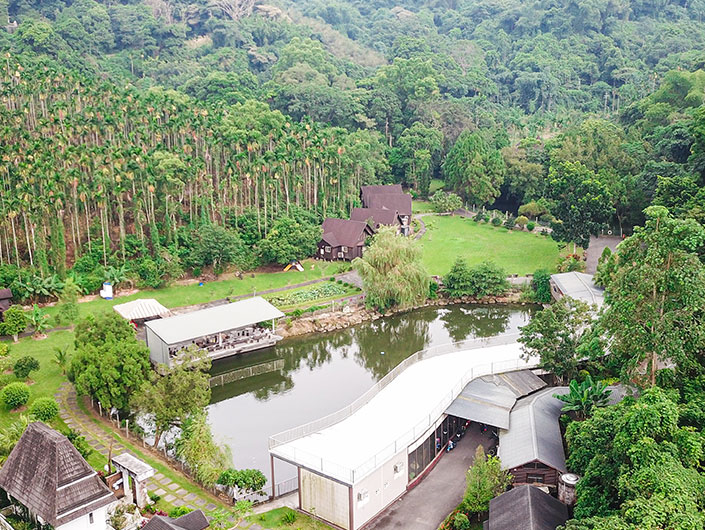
x=141, y=136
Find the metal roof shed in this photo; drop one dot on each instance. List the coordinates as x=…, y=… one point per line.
x=186, y=328
x=577, y=285
x=534, y=433
x=490, y=399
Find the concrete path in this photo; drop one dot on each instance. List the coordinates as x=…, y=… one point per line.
x=594, y=251
x=439, y=493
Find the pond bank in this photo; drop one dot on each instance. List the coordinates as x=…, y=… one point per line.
x=353, y=315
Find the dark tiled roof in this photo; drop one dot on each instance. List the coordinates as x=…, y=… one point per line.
x=5, y=294
x=337, y=232
x=48, y=475
x=379, y=216
x=195, y=520
x=528, y=508
x=400, y=202
x=366, y=191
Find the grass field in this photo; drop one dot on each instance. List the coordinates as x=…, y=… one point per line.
x=182, y=295
x=275, y=519
x=450, y=237
x=421, y=207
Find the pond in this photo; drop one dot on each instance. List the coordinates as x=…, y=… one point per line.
x=319, y=374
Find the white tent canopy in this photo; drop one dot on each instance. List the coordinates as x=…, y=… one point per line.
x=141, y=309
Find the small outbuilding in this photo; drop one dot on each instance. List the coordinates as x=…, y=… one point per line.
x=532, y=448
x=526, y=508
x=135, y=474
x=142, y=310
x=5, y=301
x=577, y=285
x=48, y=476
x=343, y=239
x=195, y=520
x=221, y=331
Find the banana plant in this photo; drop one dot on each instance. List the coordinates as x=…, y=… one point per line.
x=582, y=398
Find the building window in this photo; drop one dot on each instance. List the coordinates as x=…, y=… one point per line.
x=327, y=249
x=90, y=517
x=341, y=255
x=345, y=249
x=537, y=479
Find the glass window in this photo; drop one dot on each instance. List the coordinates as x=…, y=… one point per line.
x=535, y=478
x=327, y=249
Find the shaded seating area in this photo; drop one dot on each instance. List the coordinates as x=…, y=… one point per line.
x=221, y=331
x=528, y=508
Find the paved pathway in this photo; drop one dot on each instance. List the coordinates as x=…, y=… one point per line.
x=594, y=250
x=172, y=492
x=439, y=493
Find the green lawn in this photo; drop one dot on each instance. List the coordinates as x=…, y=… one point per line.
x=436, y=184
x=450, y=237
x=420, y=206
x=274, y=519
x=183, y=295
x=48, y=378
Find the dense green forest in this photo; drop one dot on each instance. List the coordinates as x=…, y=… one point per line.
x=147, y=138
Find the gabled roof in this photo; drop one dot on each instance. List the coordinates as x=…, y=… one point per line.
x=490, y=399
x=142, y=308
x=343, y=232
x=5, y=294
x=400, y=202
x=534, y=432
x=379, y=216
x=195, y=324
x=580, y=286
x=528, y=508
x=195, y=520
x=366, y=191
x=47, y=474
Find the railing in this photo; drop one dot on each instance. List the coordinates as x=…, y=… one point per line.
x=243, y=373
x=382, y=456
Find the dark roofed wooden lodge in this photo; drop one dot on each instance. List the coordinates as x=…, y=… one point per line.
x=343, y=239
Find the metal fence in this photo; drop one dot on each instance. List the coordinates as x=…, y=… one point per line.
x=243, y=373
x=339, y=470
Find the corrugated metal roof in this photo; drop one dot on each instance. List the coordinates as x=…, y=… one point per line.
x=142, y=308
x=490, y=399
x=534, y=432
x=528, y=508
x=189, y=326
x=580, y=286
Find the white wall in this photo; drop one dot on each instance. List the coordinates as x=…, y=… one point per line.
x=326, y=498
x=100, y=521
x=376, y=491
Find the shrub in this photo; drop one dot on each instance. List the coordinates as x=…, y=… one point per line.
x=6, y=379
x=432, y=290
x=44, y=409
x=153, y=496
x=479, y=216
x=496, y=221
x=5, y=364
x=510, y=222
x=4, y=349
x=25, y=366
x=461, y=522
x=79, y=442
x=530, y=226
x=15, y=395
x=522, y=221
x=179, y=511
x=289, y=517
x=541, y=283
x=546, y=218
x=15, y=321
x=482, y=280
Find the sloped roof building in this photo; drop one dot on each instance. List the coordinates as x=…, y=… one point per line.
x=195, y=520
x=528, y=508
x=343, y=239
x=46, y=474
x=388, y=189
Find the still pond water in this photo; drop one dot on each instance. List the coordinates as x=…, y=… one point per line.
x=325, y=372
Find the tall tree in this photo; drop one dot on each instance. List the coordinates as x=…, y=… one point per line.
x=656, y=298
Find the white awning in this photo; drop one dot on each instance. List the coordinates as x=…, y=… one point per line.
x=196, y=324
x=142, y=308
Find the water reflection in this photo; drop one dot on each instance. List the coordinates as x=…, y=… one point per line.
x=323, y=373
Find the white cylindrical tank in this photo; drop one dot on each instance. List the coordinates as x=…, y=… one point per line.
x=566, y=488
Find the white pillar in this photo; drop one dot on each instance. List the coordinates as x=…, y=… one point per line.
x=126, y=486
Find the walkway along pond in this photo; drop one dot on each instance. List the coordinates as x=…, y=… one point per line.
x=323, y=373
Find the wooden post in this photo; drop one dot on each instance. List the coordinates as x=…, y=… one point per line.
x=100, y=408
x=127, y=427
